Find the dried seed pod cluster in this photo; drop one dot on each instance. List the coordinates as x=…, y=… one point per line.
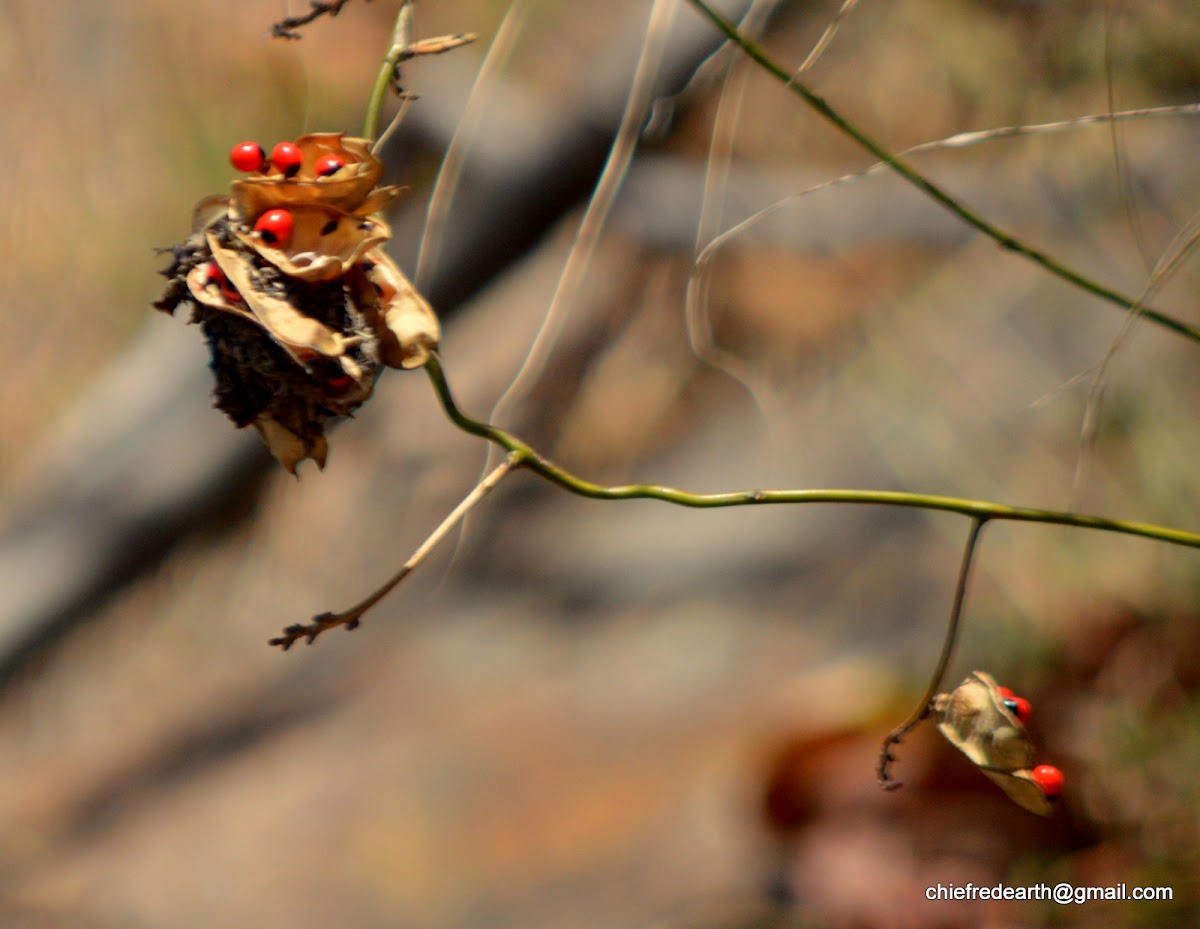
x=986, y=722
x=301, y=306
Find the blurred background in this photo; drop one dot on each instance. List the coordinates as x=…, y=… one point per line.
x=582, y=713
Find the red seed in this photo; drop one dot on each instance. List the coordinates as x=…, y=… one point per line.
x=287, y=157
x=248, y=156
x=215, y=276
x=328, y=165
x=1018, y=706
x=1049, y=779
x=275, y=227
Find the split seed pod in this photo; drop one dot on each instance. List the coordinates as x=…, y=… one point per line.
x=974, y=720
x=300, y=324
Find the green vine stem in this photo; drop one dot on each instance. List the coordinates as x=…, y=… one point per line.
x=1002, y=238
x=387, y=70
x=525, y=456
x=402, y=49
x=522, y=455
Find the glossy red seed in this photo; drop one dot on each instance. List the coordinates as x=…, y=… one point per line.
x=1049, y=779
x=287, y=157
x=329, y=164
x=215, y=276
x=1018, y=706
x=248, y=156
x=275, y=227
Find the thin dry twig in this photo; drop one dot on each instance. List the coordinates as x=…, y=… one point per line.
x=826, y=39
x=406, y=53
x=1173, y=256
x=596, y=215
x=449, y=173
x=935, y=681
x=716, y=181
x=403, y=49
x=286, y=28
x=352, y=617
x=434, y=46
x=936, y=193
x=698, y=280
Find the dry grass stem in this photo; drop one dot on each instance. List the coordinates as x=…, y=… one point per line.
x=352, y=617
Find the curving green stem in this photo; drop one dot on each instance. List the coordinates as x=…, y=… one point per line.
x=522, y=455
x=1003, y=238
x=525, y=456
x=383, y=80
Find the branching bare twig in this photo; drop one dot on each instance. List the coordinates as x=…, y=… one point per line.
x=402, y=49
x=352, y=617
x=937, y=194
x=445, y=185
x=286, y=28
x=587, y=235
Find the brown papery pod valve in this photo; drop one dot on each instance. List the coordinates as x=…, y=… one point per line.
x=975, y=720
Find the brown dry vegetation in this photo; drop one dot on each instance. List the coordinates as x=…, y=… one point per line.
x=574, y=720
